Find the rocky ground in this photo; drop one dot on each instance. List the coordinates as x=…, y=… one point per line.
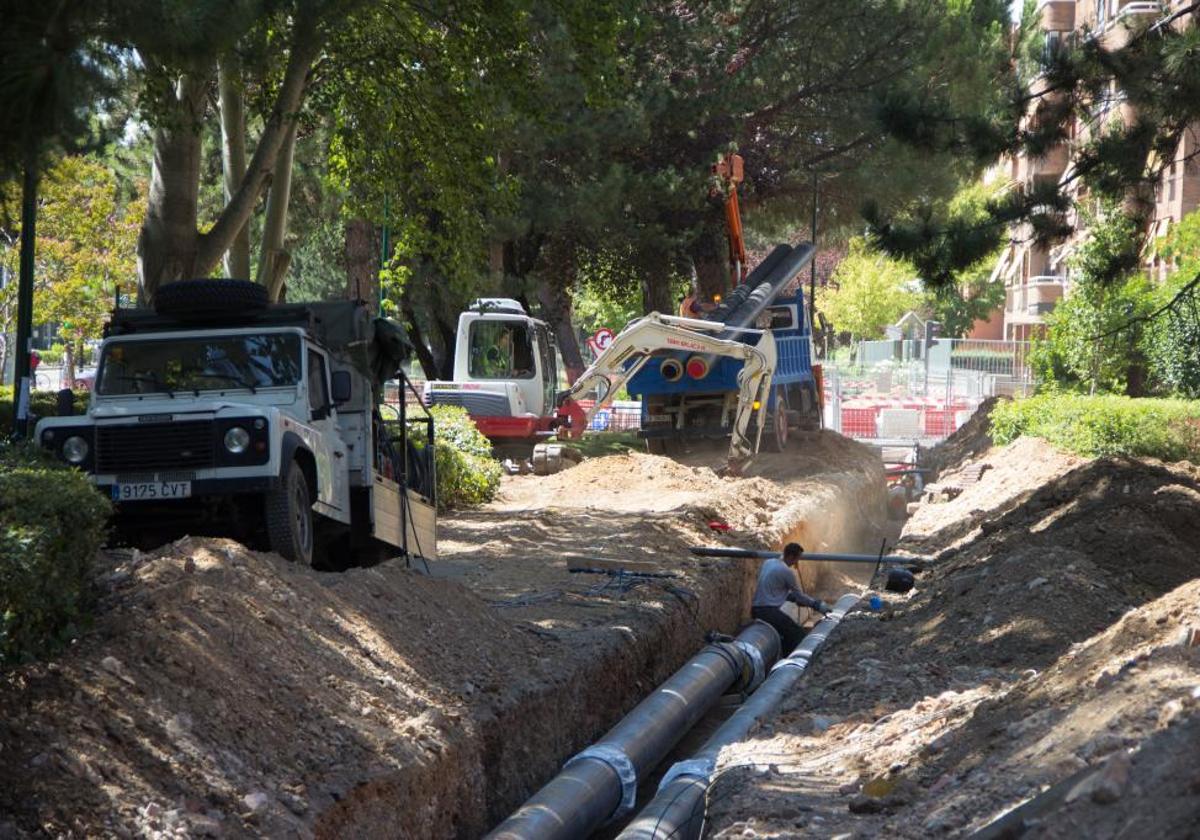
x=224, y=692
x=1048, y=659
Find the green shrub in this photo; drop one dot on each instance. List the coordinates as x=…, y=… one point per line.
x=41, y=404
x=52, y=522
x=1104, y=425
x=52, y=355
x=467, y=474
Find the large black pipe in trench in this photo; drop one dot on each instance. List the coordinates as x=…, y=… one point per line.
x=601, y=782
x=677, y=810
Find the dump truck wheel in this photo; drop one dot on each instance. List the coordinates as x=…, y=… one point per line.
x=777, y=433
x=290, y=517
x=810, y=410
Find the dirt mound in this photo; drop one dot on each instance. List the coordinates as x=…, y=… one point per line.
x=1046, y=641
x=224, y=690
x=976, y=491
x=969, y=441
x=632, y=481
x=636, y=481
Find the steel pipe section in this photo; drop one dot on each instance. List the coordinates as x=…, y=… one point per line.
x=677, y=810
x=600, y=783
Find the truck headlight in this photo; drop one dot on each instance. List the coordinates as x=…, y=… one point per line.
x=237, y=440
x=75, y=449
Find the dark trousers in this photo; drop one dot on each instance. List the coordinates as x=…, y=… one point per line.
x=790, y=632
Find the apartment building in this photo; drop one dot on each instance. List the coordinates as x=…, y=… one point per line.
x=1036, y=277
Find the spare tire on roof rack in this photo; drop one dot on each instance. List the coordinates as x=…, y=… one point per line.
x=206, y=298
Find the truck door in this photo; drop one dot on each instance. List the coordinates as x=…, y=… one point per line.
x=327, y=446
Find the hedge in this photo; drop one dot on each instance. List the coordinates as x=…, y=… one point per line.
x=467, y=474
x=52, y=522
x=1104, y=425
x=41, y=404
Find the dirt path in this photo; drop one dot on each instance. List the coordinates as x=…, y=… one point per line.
x=1056, y=637
x=223, y=692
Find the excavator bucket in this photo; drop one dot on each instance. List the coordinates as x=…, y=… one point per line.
x=572, y=420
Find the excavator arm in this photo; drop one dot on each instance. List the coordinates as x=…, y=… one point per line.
x=655, y=333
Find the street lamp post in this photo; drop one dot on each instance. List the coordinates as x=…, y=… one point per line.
x=21, y=376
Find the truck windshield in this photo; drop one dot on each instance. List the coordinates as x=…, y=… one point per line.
x=501, y=350
x=218, y=363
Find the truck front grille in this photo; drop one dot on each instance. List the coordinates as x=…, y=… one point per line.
x=149, y=447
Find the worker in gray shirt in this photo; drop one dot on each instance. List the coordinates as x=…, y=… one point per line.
x=777, y=583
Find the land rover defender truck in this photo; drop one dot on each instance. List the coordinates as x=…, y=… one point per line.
x=217, y=413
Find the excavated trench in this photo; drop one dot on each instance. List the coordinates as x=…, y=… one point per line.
x=496, y=757
x=223, y=691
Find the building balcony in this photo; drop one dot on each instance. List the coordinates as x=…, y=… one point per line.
x=1030, y=302
x=1115, y=31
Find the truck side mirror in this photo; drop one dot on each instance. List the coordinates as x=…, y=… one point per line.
x=342, y=387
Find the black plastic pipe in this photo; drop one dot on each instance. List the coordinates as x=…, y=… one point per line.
x=600, y=783
x=721, y=551
x=761, y=271
x=677, y=810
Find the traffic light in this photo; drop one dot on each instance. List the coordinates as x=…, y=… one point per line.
x=933, y=329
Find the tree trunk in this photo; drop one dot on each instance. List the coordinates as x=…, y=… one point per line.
x=420, y=347
x=554, y=294
x=362, y=280
x=168, y=239
x=233, y=155
x=710, y=263
x=68, y=374
x=306, y=45
x=656, y=289
x=273, y=260
x=447, y=332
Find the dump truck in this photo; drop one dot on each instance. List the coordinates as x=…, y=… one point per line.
x=218, y=413
x=694, y=394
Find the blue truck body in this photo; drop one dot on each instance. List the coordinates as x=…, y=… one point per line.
x=704, y=403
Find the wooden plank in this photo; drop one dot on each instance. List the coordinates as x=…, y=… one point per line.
x=422, y=527
x=385, y=502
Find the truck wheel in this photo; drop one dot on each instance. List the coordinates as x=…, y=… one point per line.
x=777, y=433
x=290, y=517
x=810, y=410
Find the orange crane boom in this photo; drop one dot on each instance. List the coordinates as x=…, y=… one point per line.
x=730, y=169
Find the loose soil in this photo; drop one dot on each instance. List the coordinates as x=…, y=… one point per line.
x=224, y=692
x=1054, y=640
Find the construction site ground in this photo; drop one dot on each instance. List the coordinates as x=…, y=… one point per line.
x=1048, y=659
x=224, y=692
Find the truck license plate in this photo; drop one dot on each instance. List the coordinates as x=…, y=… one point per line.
x=144, y=490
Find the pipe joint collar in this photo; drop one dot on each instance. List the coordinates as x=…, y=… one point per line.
x=700, y=769
x=756, y=660
x=620, y=764
x=799, y=660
